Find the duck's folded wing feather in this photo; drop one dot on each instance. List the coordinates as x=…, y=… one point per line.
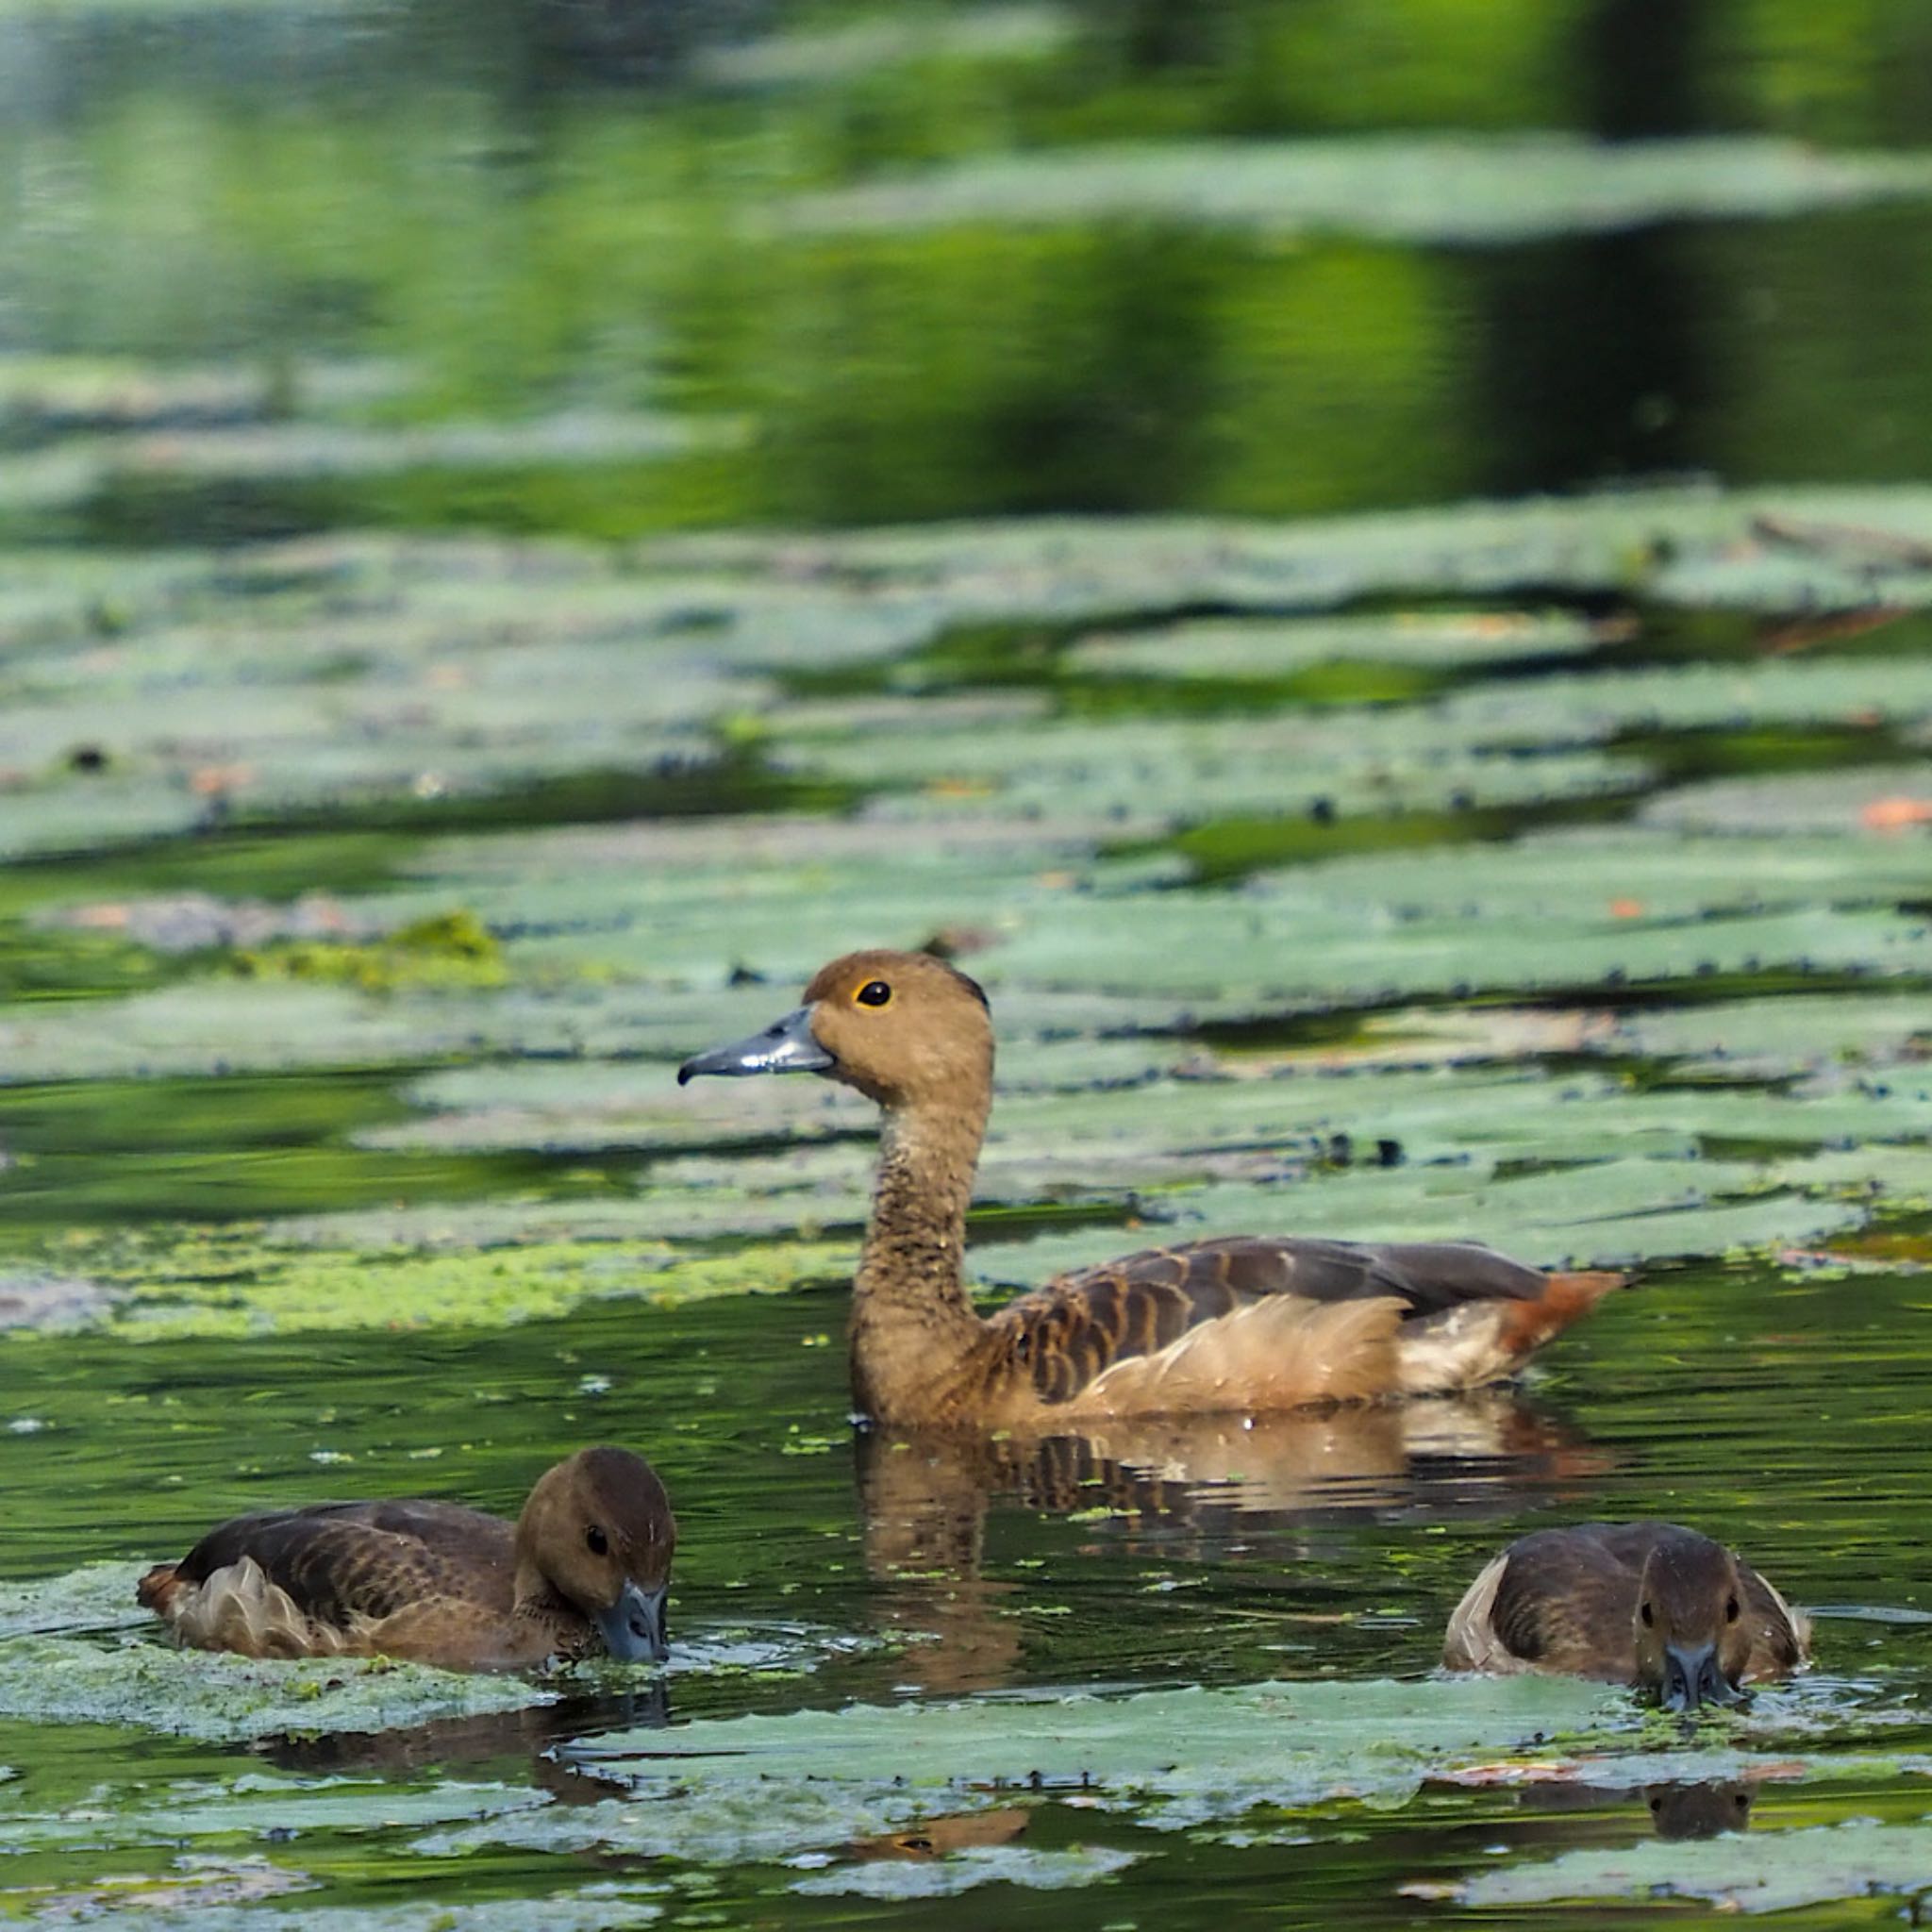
x=339, y=1562
x=1077, y=1327
x=1564, y=1601
x=1780, y=1636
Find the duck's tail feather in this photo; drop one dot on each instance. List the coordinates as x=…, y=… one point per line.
x=156, y=1591
x=1478, y=1342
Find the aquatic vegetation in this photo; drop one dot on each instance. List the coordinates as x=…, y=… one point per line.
x=148, y=1684
x=1459, y=190
x=513, y=581
x=1766, y=1871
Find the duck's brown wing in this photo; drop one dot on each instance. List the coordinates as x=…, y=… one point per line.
x=1558, y=1600
x=1472, y=1313
x=344, y=1562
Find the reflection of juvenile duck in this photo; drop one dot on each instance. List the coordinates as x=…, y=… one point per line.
x=584, y=1568
x=1637, y=1603
x=1699, y=1811
x=1249, y=1324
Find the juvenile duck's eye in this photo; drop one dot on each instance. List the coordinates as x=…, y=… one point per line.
x=875, y=993
x=599, y=1543
x=1731, y=1610
x=1648, y=1615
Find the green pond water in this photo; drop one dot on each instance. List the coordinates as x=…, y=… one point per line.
x=1367, y=567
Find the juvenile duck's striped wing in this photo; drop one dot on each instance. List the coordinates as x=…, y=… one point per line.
x=334, y=1568
x=1269, y=1324
x=1557, y=1600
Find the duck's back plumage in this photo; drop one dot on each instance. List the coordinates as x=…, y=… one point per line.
x=404, y=1578
x=1267, y=1324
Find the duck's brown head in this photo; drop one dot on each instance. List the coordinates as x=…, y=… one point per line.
x=902, y=1027
x=1693, y=1642
x=598, y=1528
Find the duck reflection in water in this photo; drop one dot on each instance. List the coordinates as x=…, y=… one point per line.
x=534, y=1732
x=1192, y=1483
x=1700, y=1810
x=1707, y=1808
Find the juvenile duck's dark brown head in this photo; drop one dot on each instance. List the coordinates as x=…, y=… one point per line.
x=598, y=1529
x=1693, y=1642
x=904, y=1028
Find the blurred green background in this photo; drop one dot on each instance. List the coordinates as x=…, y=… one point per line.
x=603, y=227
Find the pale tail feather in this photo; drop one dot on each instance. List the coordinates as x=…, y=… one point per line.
x=1483, y=1341
x=1800, y=1623
x=1280, y=1352
x=1471, y=1643
x=237, y=1608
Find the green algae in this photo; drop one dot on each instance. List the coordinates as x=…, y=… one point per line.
x=448, y=949
x=426, y=1273
x=149, y=1685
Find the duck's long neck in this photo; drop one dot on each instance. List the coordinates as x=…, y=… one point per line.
x=911, y=1323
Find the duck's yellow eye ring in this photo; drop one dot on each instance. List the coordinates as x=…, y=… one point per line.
x=599, y=1543
x=875, y=993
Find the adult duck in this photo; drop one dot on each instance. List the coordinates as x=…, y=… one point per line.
x=583, y=1570
x=1649, y=1604
x=1239, y=1324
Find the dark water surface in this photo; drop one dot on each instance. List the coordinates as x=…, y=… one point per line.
x=414, y=739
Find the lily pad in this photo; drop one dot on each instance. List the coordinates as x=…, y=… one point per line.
x=1143, y=775
x=1182, y=1757
x=1262, y=650
x=965, y=1871
x=1008, y=31
x=1761, y=1872
x=718, y=1821
x=1461, y=190
x=1588, y=707
x=1798, y=804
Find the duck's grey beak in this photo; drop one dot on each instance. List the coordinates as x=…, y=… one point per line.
x=633, y=1627
x=1691, y=1677
x=786, y=1046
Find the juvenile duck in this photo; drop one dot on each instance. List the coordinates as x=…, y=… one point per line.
x=1648, y=1604
x=584, y=1568
x=1239, y=1324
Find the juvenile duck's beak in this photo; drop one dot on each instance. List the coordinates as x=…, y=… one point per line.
x=786, y=1046
x=1691, y=1677
x=633, y=1627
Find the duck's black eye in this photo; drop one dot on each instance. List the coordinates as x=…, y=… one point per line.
x=875, y=993
x=1731, y=1609
x=1648, y=1614
x=599, y=1543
